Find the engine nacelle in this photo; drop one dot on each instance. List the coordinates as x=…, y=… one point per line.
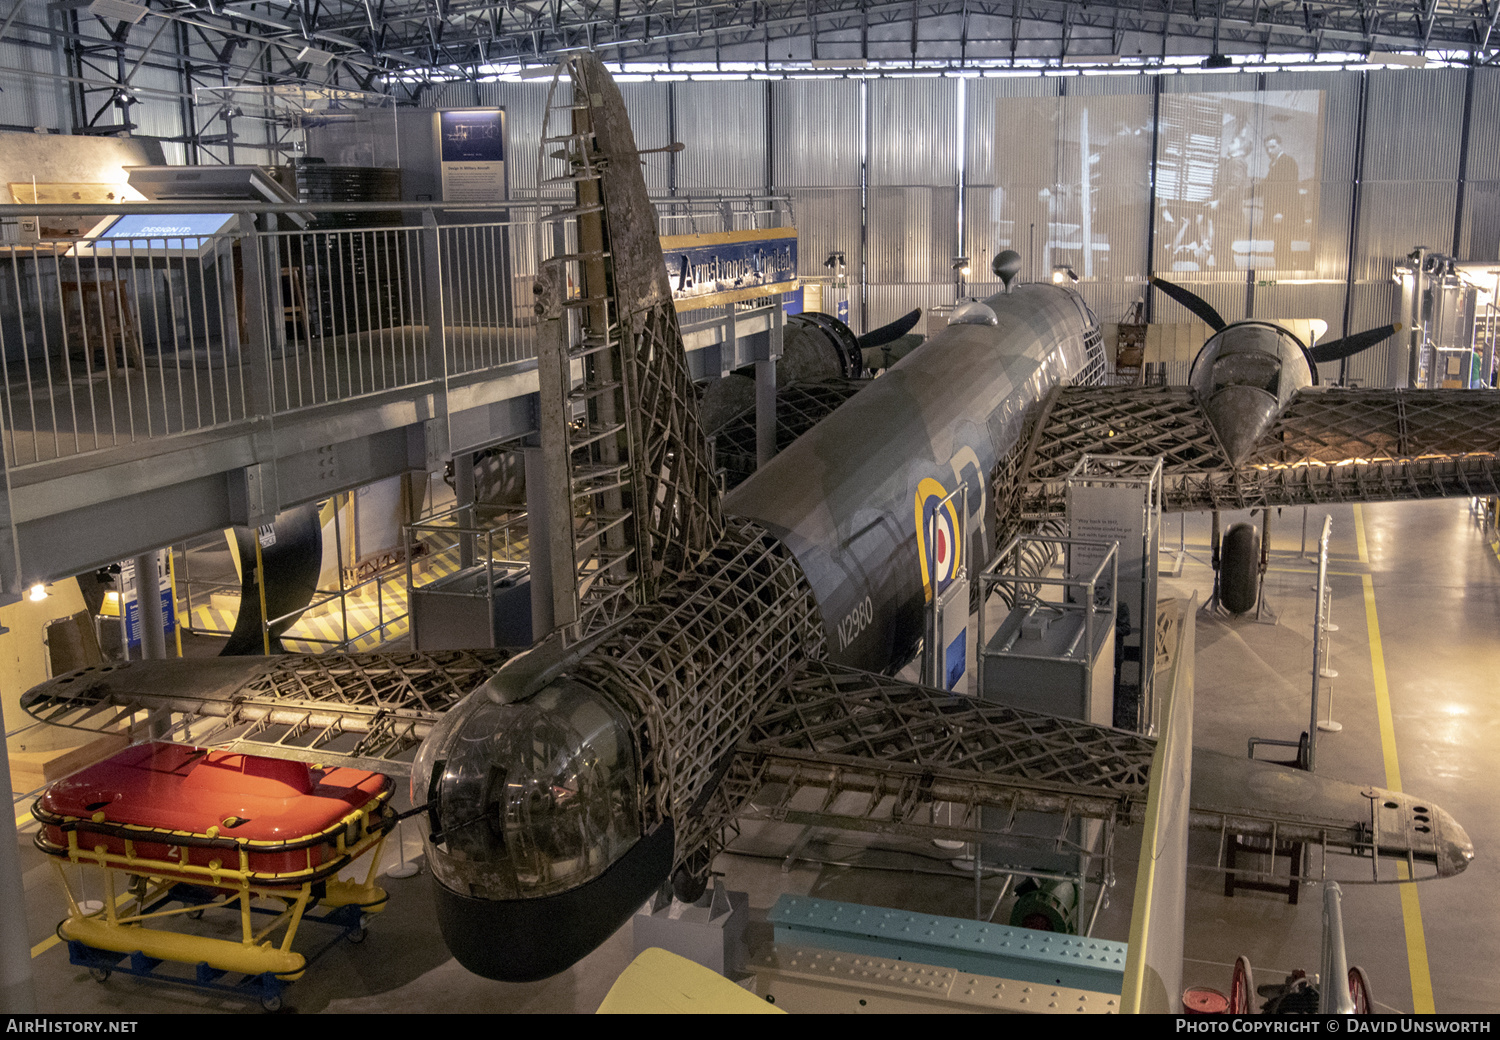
x=1245, y=375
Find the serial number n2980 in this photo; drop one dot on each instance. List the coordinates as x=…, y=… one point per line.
x=855, y=622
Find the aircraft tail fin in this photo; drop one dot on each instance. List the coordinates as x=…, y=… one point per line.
x=644, y=502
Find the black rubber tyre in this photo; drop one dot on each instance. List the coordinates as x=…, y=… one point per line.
x=99, y=974
x=688, y=887
x=1239, y=562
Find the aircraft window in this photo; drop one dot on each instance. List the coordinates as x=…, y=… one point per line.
x=533, y=797
x=1249, y=368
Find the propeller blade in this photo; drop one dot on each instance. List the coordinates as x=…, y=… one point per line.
x=1192, y=301
x=1338, y=349
x=895, y=330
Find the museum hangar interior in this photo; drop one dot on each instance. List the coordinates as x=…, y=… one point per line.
x=1123, y=380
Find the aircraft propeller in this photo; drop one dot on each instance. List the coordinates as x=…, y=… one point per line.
x=894, y=331
x=1328, y=350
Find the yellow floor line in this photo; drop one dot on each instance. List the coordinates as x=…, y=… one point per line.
x=1359, y=534
x=1303, y=570
x=1411, y=907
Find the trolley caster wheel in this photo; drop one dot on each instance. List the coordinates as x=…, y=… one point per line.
x=1359, y=991
x=195, y=915
x=1242, y=988
x=358, y=935
x=99, y=974
x=271, y=1003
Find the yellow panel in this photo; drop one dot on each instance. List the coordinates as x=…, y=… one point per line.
x=55, y=194
x=661, y=983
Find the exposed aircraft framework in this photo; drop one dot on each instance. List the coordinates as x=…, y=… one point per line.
x=691, y=662
x=1328, y=446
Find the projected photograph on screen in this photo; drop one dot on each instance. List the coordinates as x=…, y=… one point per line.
x=1073, y=183
x=1237, y=181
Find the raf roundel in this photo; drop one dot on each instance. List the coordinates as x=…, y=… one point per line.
x=939, y=541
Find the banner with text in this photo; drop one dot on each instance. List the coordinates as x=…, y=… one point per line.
x=729, y=266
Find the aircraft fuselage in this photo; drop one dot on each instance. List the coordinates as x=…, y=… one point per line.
x=844, y=496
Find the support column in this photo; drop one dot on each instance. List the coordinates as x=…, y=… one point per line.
x=148, y=599
x=765, y=411
x=1416, y=328
x=765, y=389
x=463, y=491
x=17, y=990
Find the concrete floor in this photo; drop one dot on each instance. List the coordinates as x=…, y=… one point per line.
x=1435, y=589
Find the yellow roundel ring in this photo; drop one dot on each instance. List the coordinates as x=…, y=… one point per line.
x=939, y=535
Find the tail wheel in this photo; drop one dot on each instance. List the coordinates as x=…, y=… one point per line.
x=1239, y=564
x=690, y=879
x=1359, y=991
x=1242, y=988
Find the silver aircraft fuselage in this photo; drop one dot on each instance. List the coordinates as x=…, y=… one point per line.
x=844, y=496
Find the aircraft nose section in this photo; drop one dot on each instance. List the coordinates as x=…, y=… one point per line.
x=1241, y=415
x=524, y=940
x=1455, y=850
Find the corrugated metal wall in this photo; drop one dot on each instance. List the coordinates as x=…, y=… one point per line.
x=815, y=137
x=28, y=97
x=912, y=195
x=875, y=170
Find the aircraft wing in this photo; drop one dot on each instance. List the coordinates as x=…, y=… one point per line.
x=1329, y=445
x=366, y=711
x=848, y=749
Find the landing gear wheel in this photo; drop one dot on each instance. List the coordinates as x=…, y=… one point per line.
x=99, y=974
x=1242, y=988
x=1239, y=562
x=1359, y=991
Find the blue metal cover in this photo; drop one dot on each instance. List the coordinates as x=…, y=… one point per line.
x=1050, y=958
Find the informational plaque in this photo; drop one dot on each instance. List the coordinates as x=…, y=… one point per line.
x=471, y=151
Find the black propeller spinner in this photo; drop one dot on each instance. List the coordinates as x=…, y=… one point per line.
x=1328, y=350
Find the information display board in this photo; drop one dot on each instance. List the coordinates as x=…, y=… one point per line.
x=471, y=152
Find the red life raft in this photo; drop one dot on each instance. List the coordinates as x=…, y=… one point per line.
x=190, y=813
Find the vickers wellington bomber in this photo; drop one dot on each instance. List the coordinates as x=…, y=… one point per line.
x=704, y=648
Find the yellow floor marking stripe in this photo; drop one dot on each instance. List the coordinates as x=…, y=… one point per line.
x=1411, y=907
x=23, y=819
x=1313, y=574
x=1359, y=534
